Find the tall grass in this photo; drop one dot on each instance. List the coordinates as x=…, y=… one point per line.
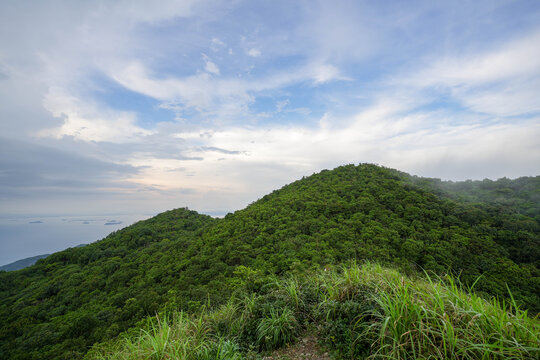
x=278, y=329
x=433, y=318
x=438, y=319
x=360, y=311
x=166, y=337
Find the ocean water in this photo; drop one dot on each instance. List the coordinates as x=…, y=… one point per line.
x=23, y=237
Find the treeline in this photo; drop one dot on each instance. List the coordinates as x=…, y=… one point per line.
x=181, y=260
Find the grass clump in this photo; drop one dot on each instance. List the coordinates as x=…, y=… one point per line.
x=165, y=337
x=220, y=350
x=278, y=329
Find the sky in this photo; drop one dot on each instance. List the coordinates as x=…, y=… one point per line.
x=137, y=107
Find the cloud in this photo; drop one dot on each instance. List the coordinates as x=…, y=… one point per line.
x=517, y=58
x=88, y=122
x=326, y=72
x=224, y=96
x=210, y=66
x=222, y=151
x=281, y=104
x=217, y=44
x=34, y=171
x=501, y=82
x=253, y=52
x=422, y=143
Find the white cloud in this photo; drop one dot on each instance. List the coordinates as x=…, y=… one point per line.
x=281, y=104
x=325, y=73
x=222, y=96
x=216, y=44
x=73, y=42
x=88, y=122
x=210, y=66
x=500, y=82
x=253, y=52
x=513, y=98
x=422, y=144
x=515, y=59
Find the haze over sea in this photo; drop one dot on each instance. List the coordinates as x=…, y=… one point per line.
x=24, y=237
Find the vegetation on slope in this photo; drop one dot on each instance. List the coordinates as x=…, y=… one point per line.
x=513, y=204
x=74, y=298
x=65, y=303
x=358, y=311
x=368, y=212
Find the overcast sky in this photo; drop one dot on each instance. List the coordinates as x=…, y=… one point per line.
x=117, y=107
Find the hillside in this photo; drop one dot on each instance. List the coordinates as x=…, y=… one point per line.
x=73, y=298
x=180, y=260
x=515, y=204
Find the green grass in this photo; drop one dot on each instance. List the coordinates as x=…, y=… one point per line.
x=360, y=311
x=165, y=337
x=431, y=318
x=277, y=329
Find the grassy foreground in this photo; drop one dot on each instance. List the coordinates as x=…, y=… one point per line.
x=359, y=311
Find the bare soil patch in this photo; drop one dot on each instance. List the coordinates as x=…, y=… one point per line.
x=305, y=348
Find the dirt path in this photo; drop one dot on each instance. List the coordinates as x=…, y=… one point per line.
x=305, y=348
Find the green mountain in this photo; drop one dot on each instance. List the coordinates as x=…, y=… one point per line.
x=181, y=260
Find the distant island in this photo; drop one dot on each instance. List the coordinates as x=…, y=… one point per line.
x=21, y=264
x=26, y=262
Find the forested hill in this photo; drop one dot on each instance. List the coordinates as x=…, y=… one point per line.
x=180, y=259
x=369, y=212
x=515, y=204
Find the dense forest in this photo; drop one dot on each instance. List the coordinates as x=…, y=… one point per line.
x=485, y=233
